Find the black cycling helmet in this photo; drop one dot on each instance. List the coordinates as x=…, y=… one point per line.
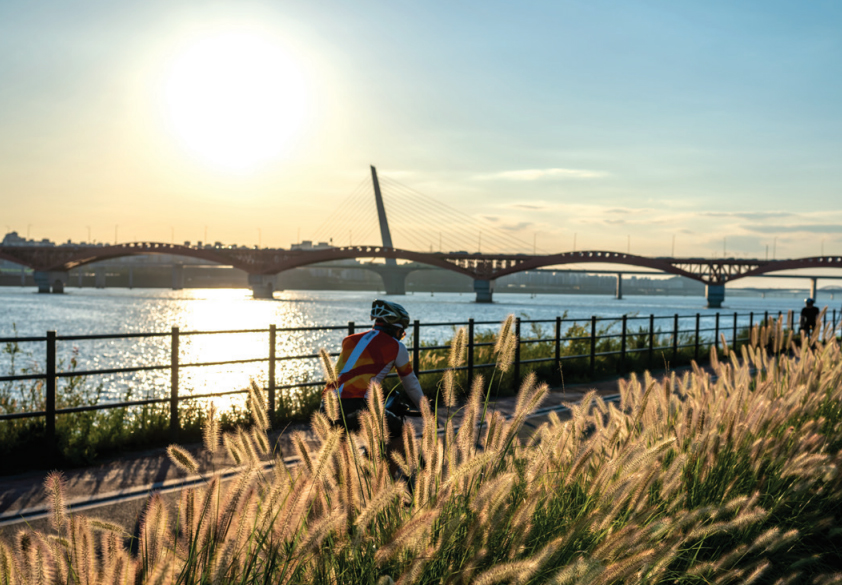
x=391, y=313
x=809, y=301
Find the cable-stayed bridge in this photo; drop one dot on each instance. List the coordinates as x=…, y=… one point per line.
x=492, y=255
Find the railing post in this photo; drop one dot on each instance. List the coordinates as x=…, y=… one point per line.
x=675, y=340
x=623, y=345
x=750, y=322
x=351, y=327
x=174, y=384
x=51, y=391
x=517, y=351
x=558, y=344
x=416, y=346
x=716, y=333
x=470, y=352
x=765, y=318
x=593, y=344
x=272, y=343
x=651, y=338
x=696, y=349
x=734, y=343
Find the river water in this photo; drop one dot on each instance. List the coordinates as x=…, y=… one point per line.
x=101, y=311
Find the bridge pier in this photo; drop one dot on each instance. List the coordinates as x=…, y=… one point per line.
x=177, y=276
x=484, y=290
x=99, y=276
x=619, y=293
x=394, y=281
x=262, y=285
x=131, y=277
x=42, y=280
x=715, y=294
x=51, y=281
x=813, y=287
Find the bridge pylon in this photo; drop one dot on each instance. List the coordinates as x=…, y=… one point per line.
x=394, y=280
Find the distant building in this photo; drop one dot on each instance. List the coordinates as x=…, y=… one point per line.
x=13, y=239
x=308, y=246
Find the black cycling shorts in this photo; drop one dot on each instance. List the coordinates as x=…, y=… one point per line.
x=351, y=407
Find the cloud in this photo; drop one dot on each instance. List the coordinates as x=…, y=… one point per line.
x=527, y=206
x=536, y=174
x=829, y=228
x=756, y=215
x=514, y=227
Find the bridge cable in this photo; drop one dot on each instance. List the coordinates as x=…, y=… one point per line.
x=454, y=229
x=492, y=235
x=348, y=206
x=339, y=215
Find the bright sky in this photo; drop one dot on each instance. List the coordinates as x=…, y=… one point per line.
x=625, y=123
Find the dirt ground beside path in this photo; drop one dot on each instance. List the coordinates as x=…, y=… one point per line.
x=127, y=481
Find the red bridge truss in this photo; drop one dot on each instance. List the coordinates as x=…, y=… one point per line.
x=477, y=266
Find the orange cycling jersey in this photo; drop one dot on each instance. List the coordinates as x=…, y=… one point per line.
x=368, y=357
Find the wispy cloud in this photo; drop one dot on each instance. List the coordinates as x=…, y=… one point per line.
x=794, y=228
x=515, y=227
x=754, y=215
x=537, y=174
x=528, y=206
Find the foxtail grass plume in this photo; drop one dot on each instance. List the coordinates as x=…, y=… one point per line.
x=182, y=459
x=210, y=430
x=457, y=349
x=503, y=334
x=448, y=388
x=327, y=366
x=506, y=355
x=257, y=406
x=56, y=487
x=331, y=402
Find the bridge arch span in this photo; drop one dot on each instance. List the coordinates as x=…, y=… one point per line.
x=287, y=260
x=795, y=264
x=596, y=257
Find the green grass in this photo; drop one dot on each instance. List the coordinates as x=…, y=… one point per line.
x=732, y=479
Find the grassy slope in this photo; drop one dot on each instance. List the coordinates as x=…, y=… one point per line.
x=699, y=480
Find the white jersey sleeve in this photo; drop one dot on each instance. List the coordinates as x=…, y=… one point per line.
x=410, y=382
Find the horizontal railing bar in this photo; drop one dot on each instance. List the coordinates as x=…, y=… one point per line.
x=224, y=363
x=109, y=336
x=16, y=415
x=107, y=405
x=22, y=377
x=302, y=357
x=21, y=339
x=74, y=374
x=222, y=331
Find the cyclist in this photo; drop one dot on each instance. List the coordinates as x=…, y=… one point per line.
x=368, y=357
x=809, y=316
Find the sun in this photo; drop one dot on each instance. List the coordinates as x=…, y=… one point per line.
x=236, y=100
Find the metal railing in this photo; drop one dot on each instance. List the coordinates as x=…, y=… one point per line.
x=51, y=375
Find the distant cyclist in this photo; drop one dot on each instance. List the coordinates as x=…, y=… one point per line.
x=368, y=357
x=809, y=317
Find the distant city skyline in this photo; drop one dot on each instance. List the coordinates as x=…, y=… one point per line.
x=714, y=128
